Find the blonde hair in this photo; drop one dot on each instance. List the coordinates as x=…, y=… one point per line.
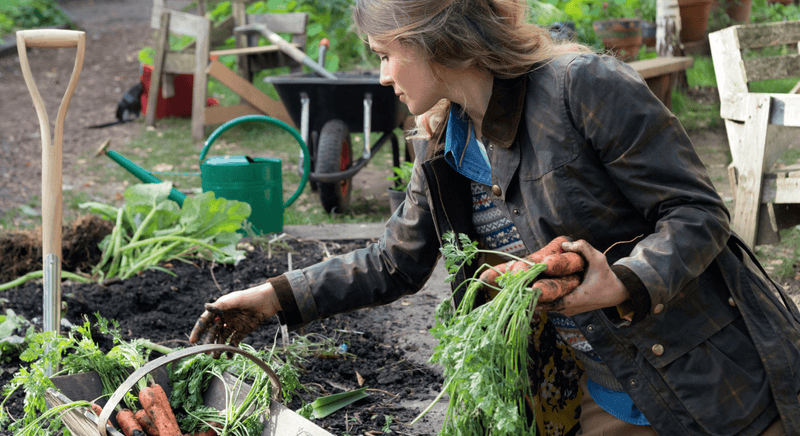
x=493, y=35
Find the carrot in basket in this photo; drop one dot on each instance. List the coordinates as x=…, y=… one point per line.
x=97, y=409
x=155, y=402
x=556, y=287
x=144, y=420
x=563, y=264
x=127, y=422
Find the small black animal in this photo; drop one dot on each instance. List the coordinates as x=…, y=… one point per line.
x=128, y=108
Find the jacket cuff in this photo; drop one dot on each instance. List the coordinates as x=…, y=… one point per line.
x=289, y=313
x=639, y=302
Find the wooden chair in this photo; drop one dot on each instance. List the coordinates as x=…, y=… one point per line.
x=760, y=127
x=255, y=58
x=192, y=60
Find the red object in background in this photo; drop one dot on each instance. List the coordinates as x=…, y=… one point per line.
x=179, y=105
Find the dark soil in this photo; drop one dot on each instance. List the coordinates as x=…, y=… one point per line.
x=163, y=309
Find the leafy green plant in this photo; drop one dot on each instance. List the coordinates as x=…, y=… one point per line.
x=151, y=228
x=402, y=175
x=484, y=349
x=30, y=14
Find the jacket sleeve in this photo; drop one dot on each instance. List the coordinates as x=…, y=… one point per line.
x=650, y=158
x=398, y=264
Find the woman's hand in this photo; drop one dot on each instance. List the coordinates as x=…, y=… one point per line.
x=233, y=316
x=599, y=288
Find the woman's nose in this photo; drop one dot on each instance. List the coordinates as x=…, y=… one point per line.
x=385, y=78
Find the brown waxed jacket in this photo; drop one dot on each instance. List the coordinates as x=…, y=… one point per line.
x=580, y=147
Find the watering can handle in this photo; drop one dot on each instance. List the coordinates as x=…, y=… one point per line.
x=263, y=118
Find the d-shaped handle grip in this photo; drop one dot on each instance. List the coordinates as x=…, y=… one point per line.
x=50, y=38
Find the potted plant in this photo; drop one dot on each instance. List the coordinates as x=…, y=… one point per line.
x=618, y=26
x=694, y=19
x=648, y=15
x=401, y=177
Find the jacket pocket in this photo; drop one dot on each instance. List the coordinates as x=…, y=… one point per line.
x=702, y=350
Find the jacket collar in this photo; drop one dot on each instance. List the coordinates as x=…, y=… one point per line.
x=502, y=116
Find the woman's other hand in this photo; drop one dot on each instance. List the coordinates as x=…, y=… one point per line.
x=233, y=316
x=600, y=287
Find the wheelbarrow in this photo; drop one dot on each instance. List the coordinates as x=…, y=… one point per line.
x=281, y=421
x=328, y=111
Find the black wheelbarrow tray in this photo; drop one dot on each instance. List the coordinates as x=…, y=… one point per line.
x=282, y=421
x=328, y=111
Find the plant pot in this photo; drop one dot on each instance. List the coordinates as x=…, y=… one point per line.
x=396, y=198
x=621, y=36
x=739, y=10
x=649, y=33
x=694, y=19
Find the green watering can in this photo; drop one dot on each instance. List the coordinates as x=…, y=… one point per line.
x=256, y=181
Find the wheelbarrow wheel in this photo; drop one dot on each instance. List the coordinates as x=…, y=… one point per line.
x=334, y=154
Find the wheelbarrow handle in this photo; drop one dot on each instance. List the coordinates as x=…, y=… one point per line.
x=126, y=386
x=287, y=48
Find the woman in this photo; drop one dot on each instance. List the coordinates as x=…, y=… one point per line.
x=674, y=329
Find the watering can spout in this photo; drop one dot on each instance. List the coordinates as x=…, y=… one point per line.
x=137, y=171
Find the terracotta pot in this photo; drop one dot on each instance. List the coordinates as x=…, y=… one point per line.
x=621, y=36
x=739, y=10
x=694, y=19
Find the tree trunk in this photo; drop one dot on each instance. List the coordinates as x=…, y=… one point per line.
x=668, y=28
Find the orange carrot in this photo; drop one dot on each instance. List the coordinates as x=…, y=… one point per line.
x=146, y=422
x=127, y=422
x=563, y=264
x=489, y=276
x=155, y=402
x=556, y=287
x=97, y=409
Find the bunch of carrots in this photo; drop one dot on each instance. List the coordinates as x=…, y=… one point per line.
x=562, y=275
x=155, y=418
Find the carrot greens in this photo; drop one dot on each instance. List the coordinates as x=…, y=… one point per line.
x=484, y=349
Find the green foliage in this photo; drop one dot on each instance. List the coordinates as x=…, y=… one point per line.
x=30, y=14
x=484, y=349
x=151, y=228
x=402, y=175
x=74, y=354
x=11, y=343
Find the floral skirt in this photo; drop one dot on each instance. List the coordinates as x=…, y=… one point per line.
x=555, y=377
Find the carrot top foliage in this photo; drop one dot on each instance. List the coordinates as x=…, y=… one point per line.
x=484, y=349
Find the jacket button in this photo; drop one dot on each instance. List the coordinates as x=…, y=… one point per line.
x=658, y=349
x=633, y=383
x=590, y=327
x=731, y=302
x=516, y=211
x=496, y=190
x=658, y=309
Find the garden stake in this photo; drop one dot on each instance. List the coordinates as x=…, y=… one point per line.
x=51, y=160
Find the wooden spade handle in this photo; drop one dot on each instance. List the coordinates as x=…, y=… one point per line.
x=50, y=38
x=51, y=149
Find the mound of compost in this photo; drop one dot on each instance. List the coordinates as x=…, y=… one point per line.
x=163, y=308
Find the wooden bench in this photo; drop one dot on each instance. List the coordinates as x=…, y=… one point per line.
x=660, y=73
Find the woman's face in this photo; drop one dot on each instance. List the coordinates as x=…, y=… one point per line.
x=405, y=69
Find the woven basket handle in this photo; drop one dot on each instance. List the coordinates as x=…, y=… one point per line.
x=117, y=396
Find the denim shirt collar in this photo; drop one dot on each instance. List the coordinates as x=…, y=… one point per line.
x=462, y=150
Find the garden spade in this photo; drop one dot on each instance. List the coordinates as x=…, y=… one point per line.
x=51, y=159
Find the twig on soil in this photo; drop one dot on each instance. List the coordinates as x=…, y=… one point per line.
x=211, y=268
x=383, y=392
